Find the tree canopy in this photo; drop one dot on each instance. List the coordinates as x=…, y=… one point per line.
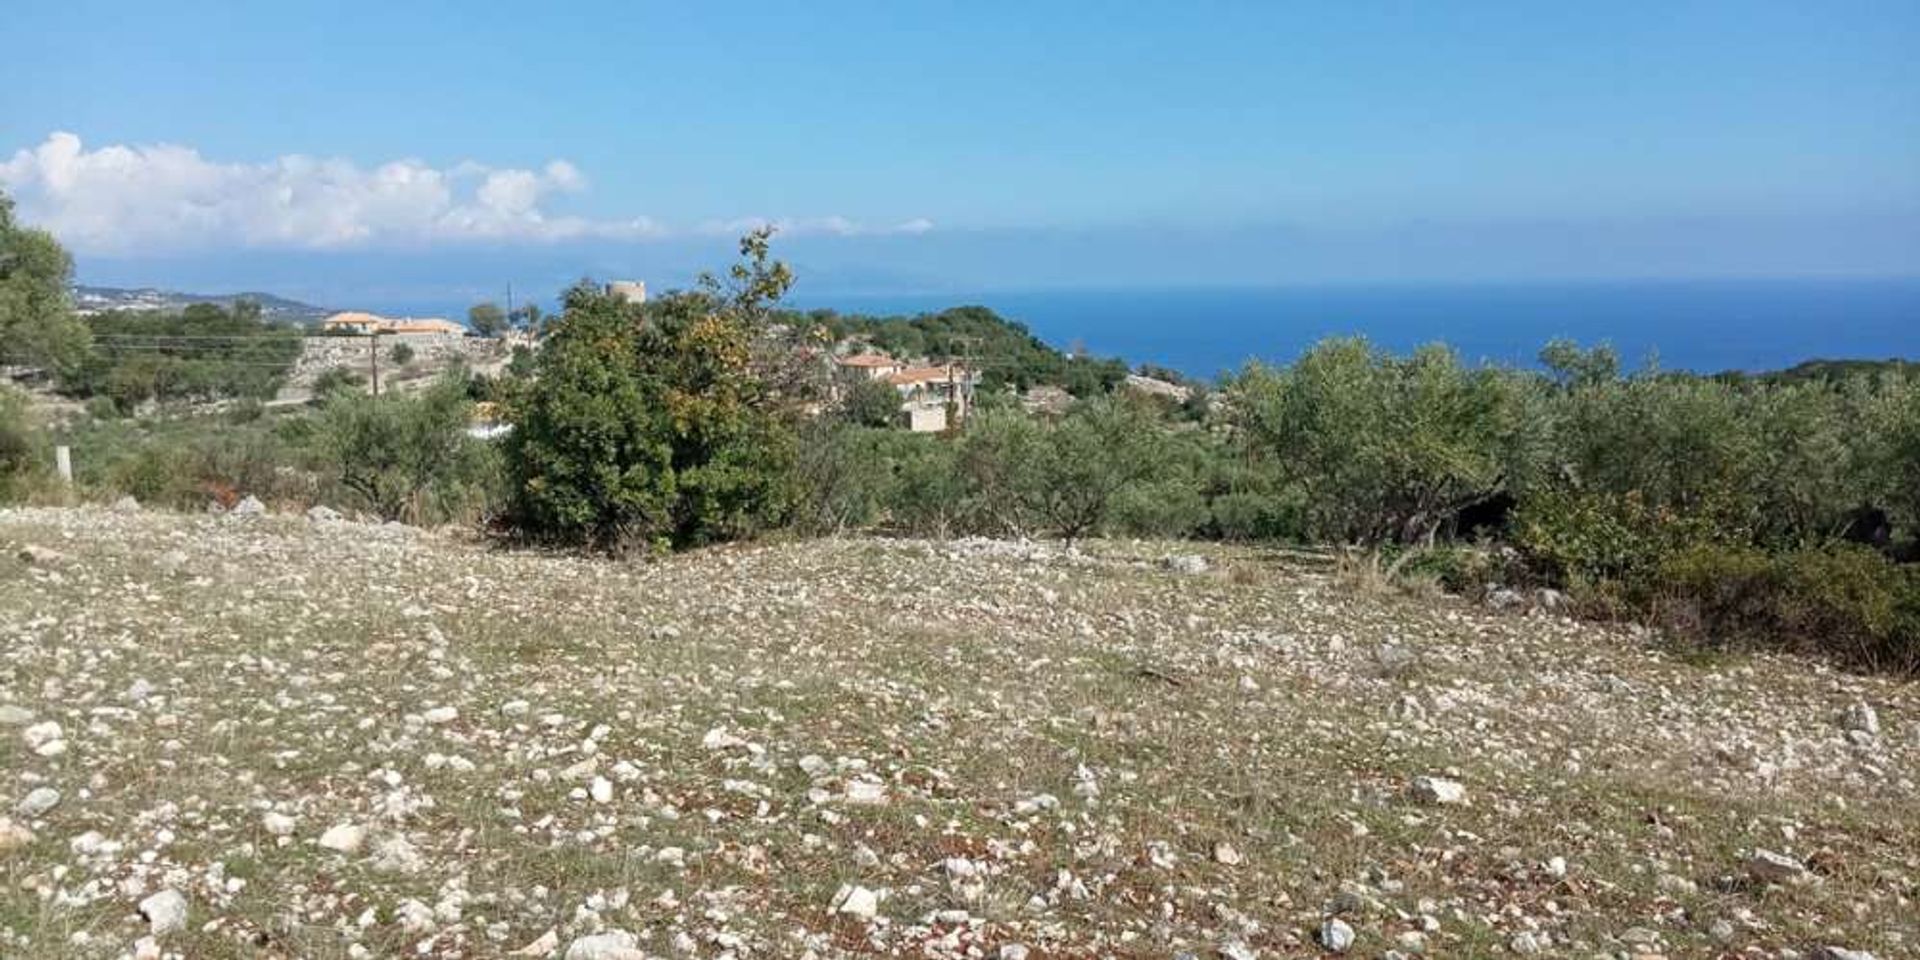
x=37, y=326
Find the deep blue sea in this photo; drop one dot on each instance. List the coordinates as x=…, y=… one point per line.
x=1705, y=326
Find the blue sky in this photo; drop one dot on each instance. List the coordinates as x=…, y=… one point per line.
x=427, y=149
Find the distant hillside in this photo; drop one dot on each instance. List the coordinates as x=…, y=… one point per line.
x=89, y=300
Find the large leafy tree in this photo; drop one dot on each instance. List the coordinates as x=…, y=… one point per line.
x=37, y=326
x=659, y=425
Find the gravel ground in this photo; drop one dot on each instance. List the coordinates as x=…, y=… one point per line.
x=269, y=737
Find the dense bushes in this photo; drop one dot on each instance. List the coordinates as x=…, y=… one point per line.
x=1384, y=449
x=202, y=353
x=407, y=457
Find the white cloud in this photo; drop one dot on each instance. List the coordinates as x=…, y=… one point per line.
x=124, y=199
x=814, y=226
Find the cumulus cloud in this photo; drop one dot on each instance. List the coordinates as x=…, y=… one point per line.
x=126, y=199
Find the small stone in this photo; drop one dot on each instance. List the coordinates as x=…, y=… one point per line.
x=1639, y=936
x=1769, y=867
x=1335, y=935
x=611, y=945
x=14, y=715
x=1861, y=718
x=1235, y=950
x=41, y=734
x=37, y=801
x=1841, y=953
x=815, y=766
x=13, y=836
x=439, y=715
x=719, y=739
x=601, y=791
x=866, y=792
x=322, y=514
x=1437, y=791
x=249, y=506
x=1035, y=804
x=1504, y=598
x=1013, y=951
x=542, y=946
x=346, y=838
x=1526, y=943
x=1190, y=564
x=278, y=824
x=397, y=854
x=39, y=556
x=1721, y=930
x=126, y=504
x=165, y=912
x=1224, y=853
x=856, y=901
x=1675, y=885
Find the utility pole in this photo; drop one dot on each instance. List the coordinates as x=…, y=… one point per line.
x=373, y=359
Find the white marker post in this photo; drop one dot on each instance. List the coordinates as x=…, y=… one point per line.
x=63, y=463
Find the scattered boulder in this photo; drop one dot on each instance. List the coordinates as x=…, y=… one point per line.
x=1190, y=564
x=14, y=715
x=278, y=824
x=39, y=556
x=249, y=506
x=1437, y=791
x=323, y=514
x=126, y=504
x=439, y=715
x=165, y=912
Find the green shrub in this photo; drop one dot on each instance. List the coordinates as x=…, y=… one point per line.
x=1842, y=601
x=337, y=380
x=870, y=403
x=24, y=453
x=401, y=354
x=406, y=457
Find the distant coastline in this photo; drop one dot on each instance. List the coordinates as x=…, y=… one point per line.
x=1706, y=326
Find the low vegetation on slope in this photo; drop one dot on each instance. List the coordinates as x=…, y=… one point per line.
x=262, y=736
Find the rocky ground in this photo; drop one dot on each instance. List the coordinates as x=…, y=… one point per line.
x=269, y=737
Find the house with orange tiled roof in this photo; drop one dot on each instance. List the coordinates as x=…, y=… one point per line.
x=932, y=396
x=368, y=324
x=873, y=366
